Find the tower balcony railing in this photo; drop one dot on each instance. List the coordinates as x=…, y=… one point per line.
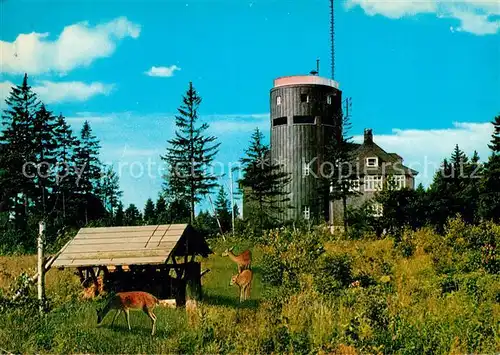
x=305, y=79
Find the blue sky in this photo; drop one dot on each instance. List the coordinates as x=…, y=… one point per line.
x=423, y=75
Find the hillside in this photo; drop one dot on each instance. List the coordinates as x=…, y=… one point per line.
x=325, y=295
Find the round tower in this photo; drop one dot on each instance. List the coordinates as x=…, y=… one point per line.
x=305, y=118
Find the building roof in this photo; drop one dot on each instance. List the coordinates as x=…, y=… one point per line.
x=388, y=164
x=136, y=245
x=305, y=80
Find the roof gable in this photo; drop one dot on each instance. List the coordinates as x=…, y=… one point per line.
x=131, y=245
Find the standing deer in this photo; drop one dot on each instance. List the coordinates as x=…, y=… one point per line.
x=244, y=260
x=244, y=282
x=125, y=301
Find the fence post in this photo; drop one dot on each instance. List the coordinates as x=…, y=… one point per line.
x=41, y=271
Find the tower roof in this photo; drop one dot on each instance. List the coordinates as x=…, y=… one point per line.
x=304, y=80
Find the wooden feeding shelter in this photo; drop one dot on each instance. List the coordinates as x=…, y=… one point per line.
x=159, y=259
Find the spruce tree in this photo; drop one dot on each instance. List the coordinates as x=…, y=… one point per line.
x=337, y=183
x=65, y=171
x=490, y=183
x=132, y=216
x=119, y=215
x=161, y=210
x=110, y=190
x=223, y=210
x=16, y=138
x=263, y=183
x=149, y=212
x=88, y=166
x=190, y=153
x=44, y=154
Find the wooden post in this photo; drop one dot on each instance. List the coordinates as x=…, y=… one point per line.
x=232, y=199
x=41, y=269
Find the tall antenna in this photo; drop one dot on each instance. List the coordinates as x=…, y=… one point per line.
x=332, y=34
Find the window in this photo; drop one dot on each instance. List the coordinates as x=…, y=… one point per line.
x=377, y=210
x=306, y=170
x=278, y=100
x=329, y=99
x=354, y=185
x=373, y=183
x=303, y=119
x=279, y=121
x=371, y=162
x=400, y=181
x=307, y=213
x=304, y=98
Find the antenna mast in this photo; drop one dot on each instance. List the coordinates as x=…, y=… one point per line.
x=332, y=34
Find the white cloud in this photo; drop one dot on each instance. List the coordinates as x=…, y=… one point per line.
x=424, y=150
x=50, y=92
x=220, y=124
x=66, y=91
x=92, y=118
x=479, y=17
x=164, y=72
x=78, y=45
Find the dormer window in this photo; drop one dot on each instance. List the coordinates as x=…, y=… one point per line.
x=278, y=100
x=371, y=162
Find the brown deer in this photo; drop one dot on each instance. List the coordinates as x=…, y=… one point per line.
x=125, y=301
x=244, y=282
x=244, y=260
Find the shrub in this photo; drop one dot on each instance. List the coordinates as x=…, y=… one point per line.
x=333, y=273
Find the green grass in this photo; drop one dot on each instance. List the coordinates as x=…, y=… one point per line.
x=72, y=325
x=435, y=300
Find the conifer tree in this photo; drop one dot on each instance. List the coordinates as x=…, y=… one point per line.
x=110, y=190
x=44, y=154
x=263, y=182
x=223, y=210
x=490, y=184
x=65, y=171
x=16, y=138
x=119, y=215
x=338, y=180
x=149, y=212
x=189, y=153
x=161, y=210
x=132, y=216
x=88, y=166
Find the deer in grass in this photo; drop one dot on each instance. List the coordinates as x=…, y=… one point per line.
x=244, y=260
x=125, y=301
x=244, y=282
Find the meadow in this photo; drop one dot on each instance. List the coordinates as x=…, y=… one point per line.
x=312, y=293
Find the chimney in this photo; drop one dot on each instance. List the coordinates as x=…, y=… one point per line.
x=368, y=136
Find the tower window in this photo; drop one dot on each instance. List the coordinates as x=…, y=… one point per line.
x=303, y=119
x=306, y=171
x=329, y=99
x=307, y=212
x=304, y=98
x=278, y=100
x=280, y=121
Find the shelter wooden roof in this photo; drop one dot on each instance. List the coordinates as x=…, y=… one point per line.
x=131, y=245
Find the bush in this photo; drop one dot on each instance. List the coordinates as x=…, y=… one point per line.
x=334, y=273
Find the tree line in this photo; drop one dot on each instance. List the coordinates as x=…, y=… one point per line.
x=462, y=186
x=48, y=172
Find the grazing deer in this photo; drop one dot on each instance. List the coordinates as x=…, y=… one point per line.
x=244, y=282
x=244, y=260
x=125, y=301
